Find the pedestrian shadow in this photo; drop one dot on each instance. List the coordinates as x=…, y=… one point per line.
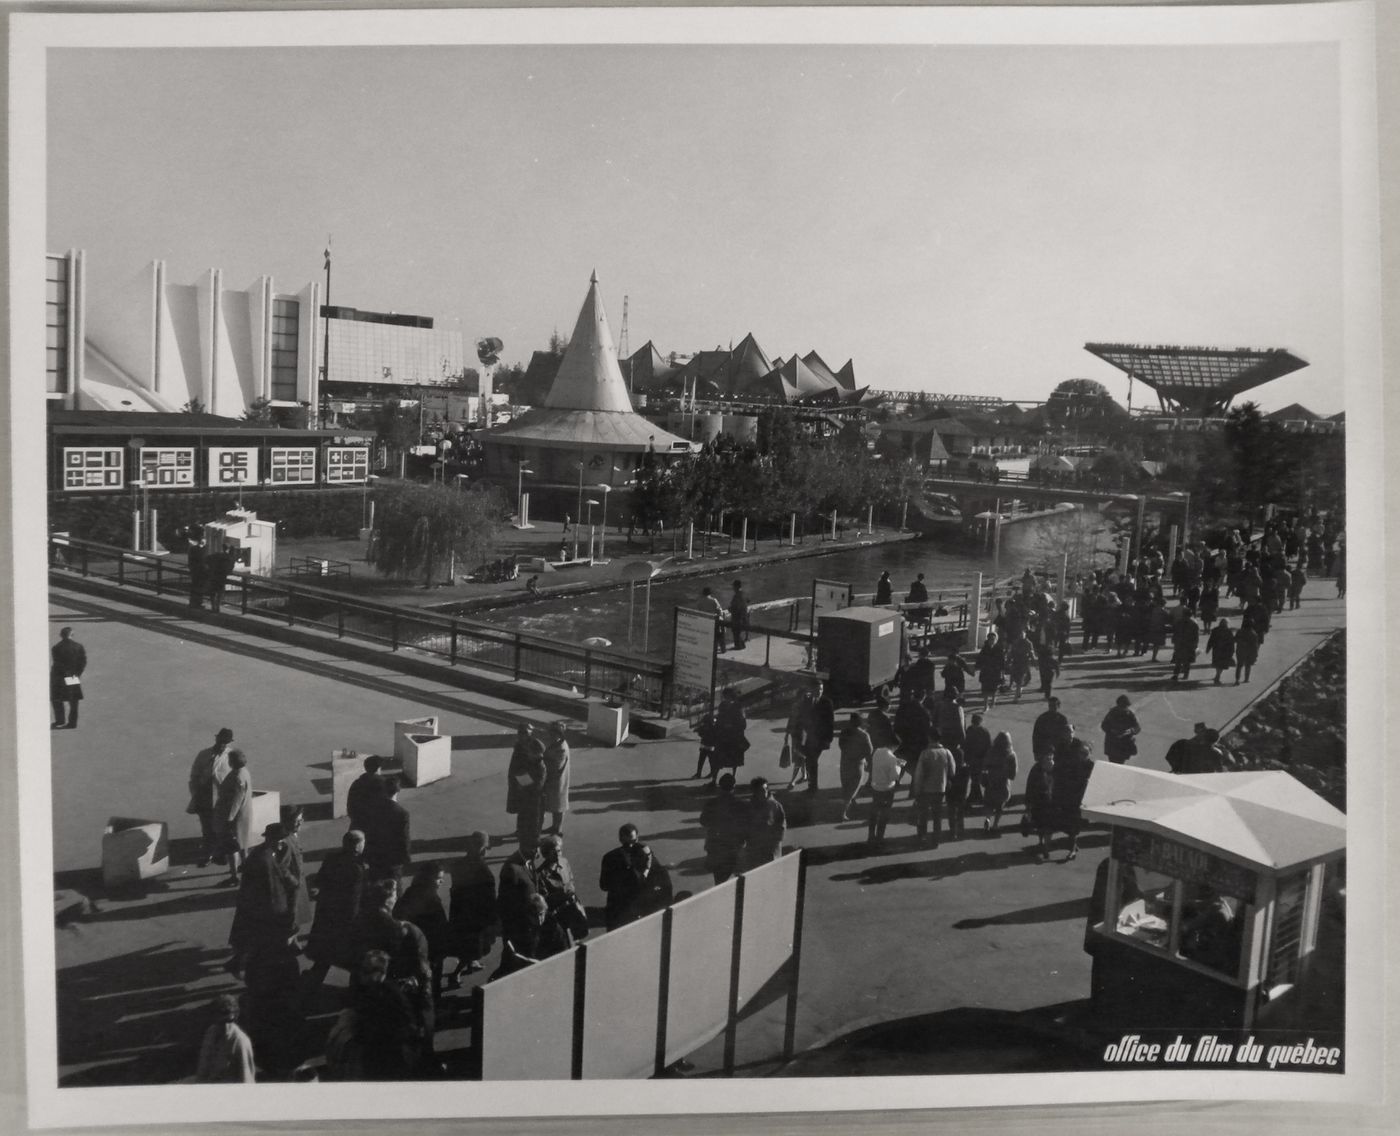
x=1144, y=682
x=654, y=795
x=137, y=1018
x=501, y=740
x=1047, y=913
x=186, y=901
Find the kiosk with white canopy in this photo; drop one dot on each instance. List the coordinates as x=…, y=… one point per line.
x=1207, y=911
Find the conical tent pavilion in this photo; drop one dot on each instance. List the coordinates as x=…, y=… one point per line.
x=586, y=433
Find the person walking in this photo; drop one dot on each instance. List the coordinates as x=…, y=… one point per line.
x=1018, y=663
x=207, y=773
x=885, y=769
x=1120, y=728
x=515, y=888
x=818, y=732
x=739, y=615
x=1246, y=651
x=991, y=661
x=1221, y=645
x=884, y=590
x=225, y=1051
x=707, y=734
x=948, y=723
x=767, y=825
x=218, y=567
x=710, y=605
x=233, y=814
x=365, y=793
x=977, y=743
x=799, y=715
x=1185, y=640
x=725, y=820
x=197, y=580
x=292, y=818
x=68, y=661
x=340, y=884
x=731, y=742
x=555, y=791
x=1071, y=779
x=554, y=879
x=1040, y=807
x=421, y=904
x=856, y=748
x=388, y=839
x=955, y=672
x=1051, y=730
x=928, y=787
x=472, y=919
x=1297, y=581
x=525, y=776
x=618, y=879
x=1000, y=774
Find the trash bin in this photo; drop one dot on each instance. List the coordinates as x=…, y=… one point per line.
x=411, y=726
x=426, y=758
x=134, y=850
x=607, y=724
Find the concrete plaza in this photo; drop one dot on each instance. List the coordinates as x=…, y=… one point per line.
x=975, y=924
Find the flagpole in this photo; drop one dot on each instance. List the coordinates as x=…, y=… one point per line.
x=326, y=348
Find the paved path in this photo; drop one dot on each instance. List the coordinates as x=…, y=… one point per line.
x=976, y=923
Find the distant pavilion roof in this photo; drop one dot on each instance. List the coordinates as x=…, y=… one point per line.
x=1198, y=380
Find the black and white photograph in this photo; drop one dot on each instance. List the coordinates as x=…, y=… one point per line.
x=698, y=559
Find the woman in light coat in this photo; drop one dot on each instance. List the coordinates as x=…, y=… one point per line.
x=556, y=778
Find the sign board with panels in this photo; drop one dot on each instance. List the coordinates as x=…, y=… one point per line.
x=230, y=465
x=93, y=467
x=346, y=464
x=293, y=465
x=167, y=467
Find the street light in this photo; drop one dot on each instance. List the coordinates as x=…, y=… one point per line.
x=520, y=493
x=603, y=536
x=590, y=503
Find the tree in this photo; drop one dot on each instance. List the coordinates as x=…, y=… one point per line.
x=1077, y=400
x=1263, y=460
x=259, y=410
x=419, y=527
x=397, y=425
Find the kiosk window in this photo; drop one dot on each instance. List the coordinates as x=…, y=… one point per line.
x=1212, y=928
x=1190, y=920
x=1144, y=905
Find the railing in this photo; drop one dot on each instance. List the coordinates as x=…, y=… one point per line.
x=643, y=682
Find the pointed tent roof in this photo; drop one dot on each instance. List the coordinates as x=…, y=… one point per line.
x=817, y=365
x=846, y=376
x=747, y=363
x=1264, y=819
x=801, y=378
x=1291, y=411
x=646, y=368
x=589, y=377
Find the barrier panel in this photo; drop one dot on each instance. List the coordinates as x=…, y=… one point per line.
x=622, y=984
x=769, y=923
x=631, y=1002
x=701, y=956
x=528, y=1018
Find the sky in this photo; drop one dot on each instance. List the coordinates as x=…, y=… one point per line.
x=952, y=219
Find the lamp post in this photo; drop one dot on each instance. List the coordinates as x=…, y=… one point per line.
x=578, y=513
x=590, y=503
x=603, y=536
x=520, y=493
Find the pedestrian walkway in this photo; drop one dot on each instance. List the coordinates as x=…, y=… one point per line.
x=1005, y=930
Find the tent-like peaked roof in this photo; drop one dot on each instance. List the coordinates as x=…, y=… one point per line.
x=802, y=379
x=817, y=365
x=1265, y=819
x=589, y=377
x=1294, y=410
x=646, y=368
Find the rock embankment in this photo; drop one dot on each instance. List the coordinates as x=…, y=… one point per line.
x=1301, y=726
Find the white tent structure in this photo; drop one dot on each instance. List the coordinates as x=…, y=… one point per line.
x=587, y=416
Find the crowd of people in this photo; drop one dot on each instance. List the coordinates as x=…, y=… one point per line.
x=382, y=918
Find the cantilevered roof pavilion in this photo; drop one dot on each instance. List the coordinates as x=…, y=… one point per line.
x=1199, y=381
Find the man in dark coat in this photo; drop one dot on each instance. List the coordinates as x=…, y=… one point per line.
x=1052, y=731
x=739, y=615
x=218, y=567
x=818, y=729
x=195, y=558
x=65, y=689
x=366, y=791
x=265, y=914
x=767, y=824
x=387, y=835
x=517, y=886
x=618, y=879
x=918, y=678
x=725, y=819
x=339, y=887
x=525, y=776
x=472, y=918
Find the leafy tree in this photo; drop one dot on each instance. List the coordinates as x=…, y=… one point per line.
x=1263, y=460
x=259, y=410
x=420, y=527
x=1077, y=400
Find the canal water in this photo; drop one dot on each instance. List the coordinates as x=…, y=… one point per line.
x=949, y=563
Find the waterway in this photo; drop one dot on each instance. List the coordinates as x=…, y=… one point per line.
x=949, y=564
